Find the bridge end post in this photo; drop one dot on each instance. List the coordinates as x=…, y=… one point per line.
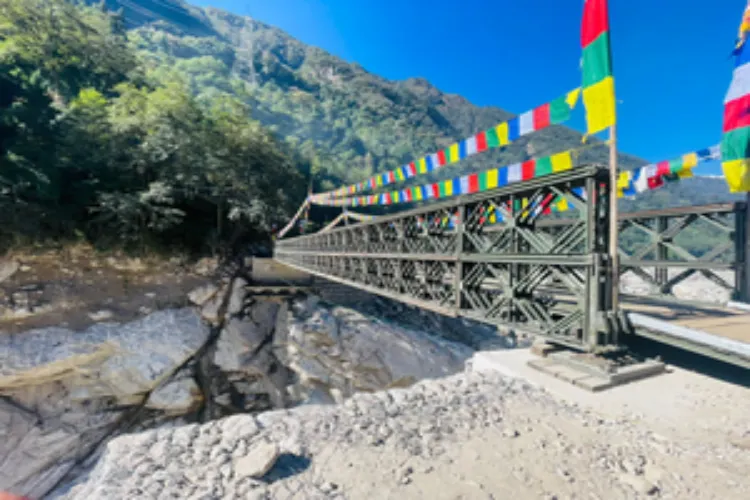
x=742, y=250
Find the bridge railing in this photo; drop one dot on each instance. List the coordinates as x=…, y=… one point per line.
x=487, y=257
x=664, y=248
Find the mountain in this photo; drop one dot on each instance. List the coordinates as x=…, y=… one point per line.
x=350, y=122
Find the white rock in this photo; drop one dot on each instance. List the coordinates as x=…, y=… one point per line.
x=202, y=294
x=102, y=315
x=210, y=310
x=7, y=269
x=259, y=460
x=237, y=297
x=346, y=351
x=120, y=360
x=639, y=484
x=206, y=266
x=178, y=397
x=133, y=265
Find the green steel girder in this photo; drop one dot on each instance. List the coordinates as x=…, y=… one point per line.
x=453, y=257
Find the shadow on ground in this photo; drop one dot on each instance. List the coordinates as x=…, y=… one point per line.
x=690, y=361
x=287, y=465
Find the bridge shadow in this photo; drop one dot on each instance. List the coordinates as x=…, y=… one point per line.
x=690, y=361
x=465, y=331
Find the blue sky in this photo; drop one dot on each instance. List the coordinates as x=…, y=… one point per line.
x=671, y=57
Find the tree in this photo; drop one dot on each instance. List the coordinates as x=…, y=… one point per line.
x=132, y=156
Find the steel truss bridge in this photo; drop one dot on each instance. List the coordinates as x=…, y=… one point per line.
x=520, y=267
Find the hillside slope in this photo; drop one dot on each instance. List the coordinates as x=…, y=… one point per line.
x=350, y=122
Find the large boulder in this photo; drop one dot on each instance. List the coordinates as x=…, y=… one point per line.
x=65, y=390
x=335, y=352
x=121, y=360
x=244, y=351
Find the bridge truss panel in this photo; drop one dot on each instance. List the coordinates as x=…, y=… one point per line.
x=666, y=247
x=663, y=247
x=487, y=257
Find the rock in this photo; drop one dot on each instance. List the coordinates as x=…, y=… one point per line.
x=102, y=315
x=311, y=371
x=239, y=342
x=38, y=449
x=322, y=328
x=120, y=361
x=211, y=309
x=404, y=475
x=24, y=268
x=510, y=433
x=132, y=265
x=259, y=460
x=177, y=397
x=326, y=488
x=206, y=266
x=9, y=496
x=337, y=395
x=319, y=396
x=223, y=400
x=345, y=352
x=264, y=315
x=633, y=465
x=202, y=294
x=639, y=484
x=7, y=269
x=237, y=297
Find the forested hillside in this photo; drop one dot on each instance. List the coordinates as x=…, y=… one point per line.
x=348, y=121
x=142, y=121
x=97, y=143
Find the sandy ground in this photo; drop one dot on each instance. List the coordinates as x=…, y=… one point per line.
x=76, y=287
x=484, y=434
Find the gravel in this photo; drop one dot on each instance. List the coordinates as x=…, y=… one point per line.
x=472, y=435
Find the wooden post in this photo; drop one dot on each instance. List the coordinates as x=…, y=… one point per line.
x=614, y=218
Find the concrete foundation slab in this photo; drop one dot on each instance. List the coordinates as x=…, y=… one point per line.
x=592, y=373
x=543, y=349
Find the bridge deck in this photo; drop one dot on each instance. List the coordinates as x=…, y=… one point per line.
x=724, y=322
x=717, y=331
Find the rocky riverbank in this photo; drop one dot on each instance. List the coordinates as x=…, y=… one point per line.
x=66, y=393
x=227, y=354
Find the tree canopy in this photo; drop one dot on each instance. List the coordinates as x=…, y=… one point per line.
x=94, y=141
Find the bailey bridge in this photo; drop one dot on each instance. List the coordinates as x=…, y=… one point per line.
x=522, y=268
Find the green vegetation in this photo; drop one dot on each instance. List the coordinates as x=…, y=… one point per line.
x=167, y=123
x=96, y=143
x=349, y=122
